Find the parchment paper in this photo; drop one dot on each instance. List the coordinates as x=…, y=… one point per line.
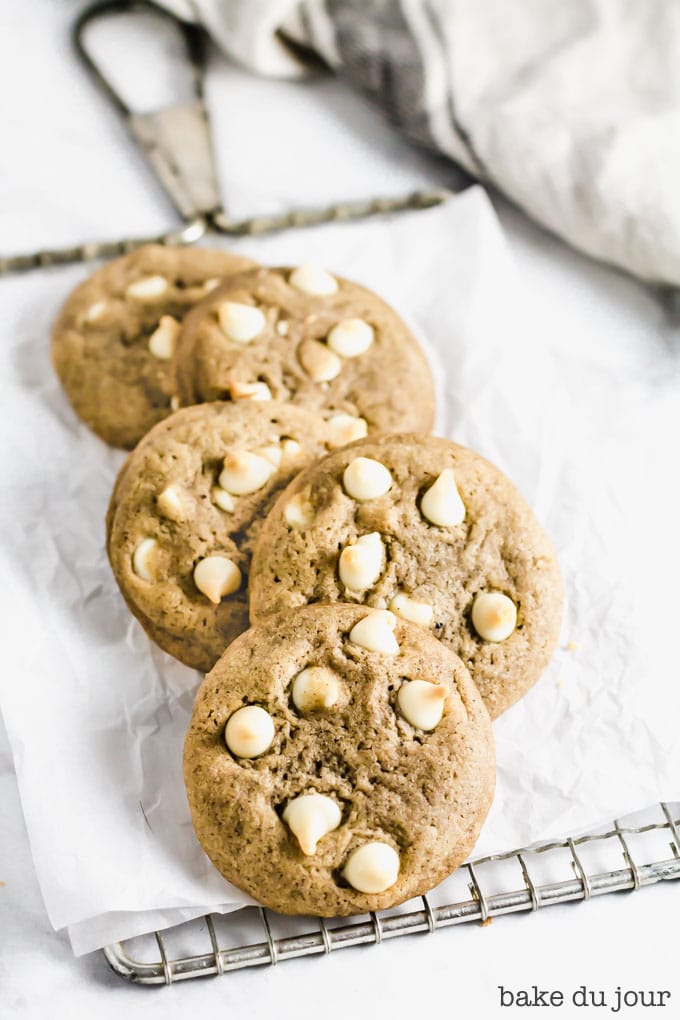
x=96, y=714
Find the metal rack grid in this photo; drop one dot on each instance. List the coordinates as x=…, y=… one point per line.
x=559, y=871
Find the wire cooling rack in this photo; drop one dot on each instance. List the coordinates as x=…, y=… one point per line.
x=633, y=852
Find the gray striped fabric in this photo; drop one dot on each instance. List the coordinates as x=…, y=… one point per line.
x=570, y=107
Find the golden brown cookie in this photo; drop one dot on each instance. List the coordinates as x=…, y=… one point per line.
x=114, y=339
x=338, y=761
x=304, y=336
x=432, y=531
x=185, y=511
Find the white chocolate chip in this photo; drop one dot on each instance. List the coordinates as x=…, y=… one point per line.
x=149, y=288
x=410, y=609
x=372, y=868
x=210, y=284
x=170, y=503
x=163, y=339
x=249, y=732
x=298, y=512
x=315, y=688
x=344, y=429
x=350, y=338
x=95, y=312
x=143, y=559
x=494, y=616
x=375, y=632
x=311, y=279
x=421, y=703
x=360, y=564
x=245, y=472
x=282, y=327
x=222, y=499
x=174, y=403
x=241, y=323
x=441, y=504
x=320, y=363
x=272, y=453
x=310, y=817
x=365, y=478
x=249, y=391
x=217, y=576
x=291, y=451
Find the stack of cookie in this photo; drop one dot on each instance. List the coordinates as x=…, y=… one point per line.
x=401, y=593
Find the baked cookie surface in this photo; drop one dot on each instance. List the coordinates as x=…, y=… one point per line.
x=304, y=336
x=113, y=341
x=432, y=531
x=185, y=511
x=338, y=761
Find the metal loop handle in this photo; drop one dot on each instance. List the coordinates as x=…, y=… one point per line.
x=175, y=139
x=194, y=41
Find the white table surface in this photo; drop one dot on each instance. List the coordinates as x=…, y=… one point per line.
x=49, y=113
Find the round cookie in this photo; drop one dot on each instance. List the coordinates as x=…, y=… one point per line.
x=114, y=339
x=346, y=806
x=433, y=531
x=307, y=337
x=185, y=511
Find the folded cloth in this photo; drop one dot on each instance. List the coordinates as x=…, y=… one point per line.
x=571, y=109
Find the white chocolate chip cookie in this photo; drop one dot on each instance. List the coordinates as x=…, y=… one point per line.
x=327, y=777
x=432, y=532
x=185, y=512
x=311, y=338
x=113, y=344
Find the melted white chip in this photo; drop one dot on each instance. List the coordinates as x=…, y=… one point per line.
x=360, y=564
x=170, y=503
x=210, y=284
x=344, y=429
x=164, y=338
x=441, y=504
x=494, y=616
x=222, y=499
x=320, y=363
x=365, y=478
x=372, y=868
x=421, y=703
x=350, y=338
x=298, y=512
x=310, y=817
x=241, y=323
x=249, y=732
x=149, y=288
x=311, y=279
x=245, y=472
x=375, y=632
x=217, y=576
x=249, y=391
x=143, y=557
x=292, y=450
x=410, y=609
x=95, y=312
x=272, y=452
x=315, y=688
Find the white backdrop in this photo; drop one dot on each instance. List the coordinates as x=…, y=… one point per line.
x=73, y=175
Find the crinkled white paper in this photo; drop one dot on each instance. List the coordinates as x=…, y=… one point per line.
x=96, y=714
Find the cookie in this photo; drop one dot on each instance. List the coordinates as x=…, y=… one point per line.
x=185, y=512
x=310, y=338
x=338, y=761
x=432, y=531
x=113, y=341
